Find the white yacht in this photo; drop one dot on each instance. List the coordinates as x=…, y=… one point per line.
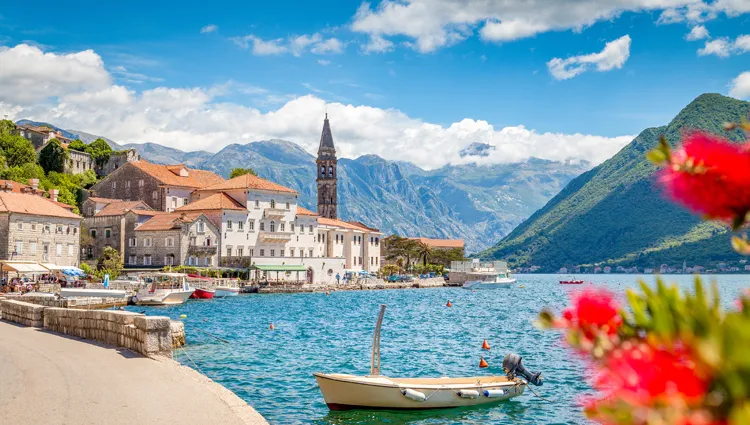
x=490, y=280
x=164, y=289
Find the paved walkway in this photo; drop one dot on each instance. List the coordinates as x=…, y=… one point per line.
x=53, y=379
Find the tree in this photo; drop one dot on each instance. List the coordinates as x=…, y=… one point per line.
x=236, y=172
x=7, y=128
x=100, y=151
x=53, y=157
x=397, y=247
x=110, y=262
x=77, y=145
x=424, y=252
x=17, y=150
x=22, y=173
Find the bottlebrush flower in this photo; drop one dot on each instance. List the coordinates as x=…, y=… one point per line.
x=593, y=311
x=711, y=176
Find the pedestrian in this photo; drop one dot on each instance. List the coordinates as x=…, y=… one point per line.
x=338, y=278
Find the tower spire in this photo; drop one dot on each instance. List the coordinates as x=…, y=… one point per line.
x=327, y=173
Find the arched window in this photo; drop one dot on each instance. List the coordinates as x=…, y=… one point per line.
x=273, y=226
x=273, y=203
x=330, y=171
x=322, y=171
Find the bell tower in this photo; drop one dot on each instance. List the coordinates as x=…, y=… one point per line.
x=327, y=173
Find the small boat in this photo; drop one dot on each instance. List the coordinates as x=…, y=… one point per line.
x=227, y=288
x=164, y=289
x=571, y=281
x=490, y=280
x=203, y=294
x=99, y=293
x=374, y=391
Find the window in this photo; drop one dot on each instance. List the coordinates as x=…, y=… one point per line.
x=273, y=253
x=169, y=241
x=132, y=242
x=146, y=260
x=93, y=233
x=47, y=229
x=19, y=247
x=273, y=203
x=32, y=248
x=377, y=241
x=169, y=260
x=229, y=251
x=251, y=225
x=201, y=227
x=58, y=249
x=291, y=252
x=311, y=230
x=262, y=226
x=148, y=242
x=257, y=203
x=127, y=184
x=229, y=224
x=33, y=226
x=320, y=239
x=140, y=183
x=287, y=205
x=251, y=251
x=154, y=195
x=372, y=261
x=241, y=226
x=132, y=260
x=59, y=229
x=322, y=171
x=193, y=240
x=114, y=185
x=239, y=251
x=360, y=261
x=208, y=260
x=20, y=226
x=330, y=171
x=190, y=261
x=107, y=233
x=262, y=252
x=291, y=227
x=281, y=253
x=281, y=227
x=75, y=230
x=311, y=252
x=273, y=228
x=184, y=201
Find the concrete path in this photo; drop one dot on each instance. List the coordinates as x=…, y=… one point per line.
x=53, y=379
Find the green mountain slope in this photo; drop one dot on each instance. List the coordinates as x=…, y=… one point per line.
x=615, y=213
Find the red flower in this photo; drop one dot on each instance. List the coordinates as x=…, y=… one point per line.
x=592, y=311
x=641, y=374
x=710, y=175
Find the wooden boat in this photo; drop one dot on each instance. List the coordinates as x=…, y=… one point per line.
x=164, y=289
x=490, y=280
x=374, y=391
x=203, y=294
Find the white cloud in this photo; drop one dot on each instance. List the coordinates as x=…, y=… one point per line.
x=124, y=74
x=613, y=56
x=197, y=118
x=698, y=32
x=296, y=45
x=323, y=62
x=740, y=86
x=742, y=44
x=28, y=75
x=209, y=29
x=377, y=44
x=723, y=47
x=433, y=24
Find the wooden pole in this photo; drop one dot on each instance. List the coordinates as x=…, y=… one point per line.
x=375, y=362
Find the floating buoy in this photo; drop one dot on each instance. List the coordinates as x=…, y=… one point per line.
x=473, y=290
x=449, y=304
x=183, y=316
x=271, y=327
x=483, y=363
x=521, y=286
x=485, y=345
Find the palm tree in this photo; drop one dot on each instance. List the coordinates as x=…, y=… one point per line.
x=424, y=251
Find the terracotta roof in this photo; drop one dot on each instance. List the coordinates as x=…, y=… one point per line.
x=248, y=181
x=343, y=224
x=305, y=211
x=25, y=203
x=168, y=221
x=120, y=207
x=16, y=186
x=195, y=178
x=63, y=204
x=38, y=129
x=219, y=201
x=99, y=200
x=441, y=243
x=364, y=226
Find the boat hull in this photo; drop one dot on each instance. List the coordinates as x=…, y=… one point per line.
x=161, y=298
x=202, y=294
x=478, y=284
x=222, y=292
x=571, y=282
x=346, y=392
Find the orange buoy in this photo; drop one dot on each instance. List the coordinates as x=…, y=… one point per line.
x=483, y=363
x=449, y=304
x=271, y=327
x=485, y=345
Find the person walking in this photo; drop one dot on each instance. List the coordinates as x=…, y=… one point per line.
x=338, y=278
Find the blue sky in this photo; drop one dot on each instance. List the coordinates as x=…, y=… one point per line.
x=245, y=60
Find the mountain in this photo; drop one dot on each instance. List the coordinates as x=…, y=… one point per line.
x=88, y=138
x=615, y=213
x=165, y=155
x=476, y=149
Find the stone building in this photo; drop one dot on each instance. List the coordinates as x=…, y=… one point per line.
x=180, y=238
x=78, y=162
x=118, y=159
x=327, y=174
x=162, y=187
x=33, y=228
x=40, y=135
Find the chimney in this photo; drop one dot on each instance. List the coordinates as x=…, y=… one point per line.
x=53, y=194
x=34, y=184
x=6, y=187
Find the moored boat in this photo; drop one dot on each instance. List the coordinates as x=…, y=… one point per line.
x=571, y=281
x=374, y=391
x=203, y=294
x=227, y=288
x=99, y=293
x=490, y=280
x=164, y=289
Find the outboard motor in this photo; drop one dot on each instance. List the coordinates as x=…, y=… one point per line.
x=513, y=366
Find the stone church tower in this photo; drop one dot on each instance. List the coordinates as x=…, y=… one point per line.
x=327, y=174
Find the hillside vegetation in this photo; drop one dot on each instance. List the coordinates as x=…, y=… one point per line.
x=614, y=213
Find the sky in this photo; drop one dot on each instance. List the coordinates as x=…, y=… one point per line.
x=414, y=80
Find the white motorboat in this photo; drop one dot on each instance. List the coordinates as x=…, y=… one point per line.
x=226, y=288
x=490, y=280
x=374, y=391
x=99, y=293
x=164, y=289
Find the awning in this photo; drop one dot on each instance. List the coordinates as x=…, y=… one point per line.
x=23, y=267
x=53, y=267
x=279, y=268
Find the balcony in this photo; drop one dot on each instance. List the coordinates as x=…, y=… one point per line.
x=201, y=251
x=274, y=212
x=280, y=237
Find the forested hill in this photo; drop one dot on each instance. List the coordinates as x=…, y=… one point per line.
x=615, y=214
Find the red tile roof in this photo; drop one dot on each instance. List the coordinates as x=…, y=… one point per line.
x=121, y=207
x=64, y=205
x=441, y=243
x=99, y=200
x=168, y=221
x=195, y=178
x=305, y=211
x=16, y=186
x=248, y=181
x=343, y=224
x=25, y=203
x=219, y=201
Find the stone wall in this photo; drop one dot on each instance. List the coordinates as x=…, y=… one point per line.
x=148, y=335
x=83, y=302
x=39, y=237
x=178, y=334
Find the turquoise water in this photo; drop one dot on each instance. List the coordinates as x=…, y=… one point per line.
x=421, y=337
